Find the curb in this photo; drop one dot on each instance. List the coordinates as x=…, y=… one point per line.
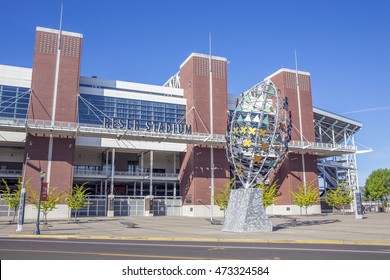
x=219, y=240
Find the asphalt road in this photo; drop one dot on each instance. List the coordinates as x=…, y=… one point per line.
x=77, y=249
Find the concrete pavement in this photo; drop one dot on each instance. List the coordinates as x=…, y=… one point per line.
x=374, y=228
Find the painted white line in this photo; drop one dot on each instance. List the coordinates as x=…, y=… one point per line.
x=204, y=246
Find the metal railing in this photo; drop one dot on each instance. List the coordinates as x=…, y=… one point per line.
x=10, y=173
x=89, y=172
x=129, y=205
x=125, y=205
x=143, y=174
x=97, y=206
x=167, y=206
x=321, y=146
x=90, y=130
x=129, y=174
x=5, y=210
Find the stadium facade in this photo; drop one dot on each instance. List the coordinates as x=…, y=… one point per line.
x=146, y=149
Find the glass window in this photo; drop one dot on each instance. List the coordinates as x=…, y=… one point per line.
x=141, y=110
x=14, y=102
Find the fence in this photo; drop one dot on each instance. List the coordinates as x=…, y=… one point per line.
x=123, y=206
x=129, y=205
x=5, y=210
x=167, y=206
x=97, y=206
x=135, y=206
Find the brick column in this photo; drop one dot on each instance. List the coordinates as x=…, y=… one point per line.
x=195, y=169
x=56, y=72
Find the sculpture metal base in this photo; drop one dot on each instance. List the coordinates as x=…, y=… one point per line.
x=246, y=213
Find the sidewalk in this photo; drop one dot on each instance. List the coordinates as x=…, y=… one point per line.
x=374, y=228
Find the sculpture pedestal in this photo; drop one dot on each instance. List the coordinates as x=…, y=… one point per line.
x=246, y=213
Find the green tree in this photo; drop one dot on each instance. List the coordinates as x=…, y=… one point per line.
x=332, y=197
x=222, y=195
x=271, y=193
x=347, y=198
x=46, y=206
x=12, y=197
x=75, y=199
x=377, y=185
x=306, y=196
x=339, y=196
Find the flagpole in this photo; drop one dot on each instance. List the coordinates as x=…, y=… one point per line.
x=54, y=103
x=211, y=133
x=300, y=118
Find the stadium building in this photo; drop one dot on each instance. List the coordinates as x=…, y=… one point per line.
x=149, y=149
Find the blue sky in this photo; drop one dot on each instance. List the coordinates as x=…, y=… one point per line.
x=345, y=45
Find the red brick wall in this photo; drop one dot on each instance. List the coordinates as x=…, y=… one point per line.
x=195, y=170
x=42, y=85
x=290, y=175
x=286, y=82
x=62, y=161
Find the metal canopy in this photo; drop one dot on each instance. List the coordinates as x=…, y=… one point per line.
x=332, y=128
x=77, y=130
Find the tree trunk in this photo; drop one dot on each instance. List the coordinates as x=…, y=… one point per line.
x=15, y=211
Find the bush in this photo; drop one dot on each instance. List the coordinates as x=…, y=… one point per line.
x=75, y=199
x=12, y=197
x=306, y=196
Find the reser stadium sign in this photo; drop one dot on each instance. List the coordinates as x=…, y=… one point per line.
x=135, y=125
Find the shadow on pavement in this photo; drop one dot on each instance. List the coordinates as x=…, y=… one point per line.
x=304, y=224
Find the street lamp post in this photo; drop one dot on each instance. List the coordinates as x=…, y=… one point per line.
x=36, y=230
x=22, y=203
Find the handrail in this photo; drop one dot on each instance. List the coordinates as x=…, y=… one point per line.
x=124, y=173
x=323, y=146
x=90, y=130
x=10, y=171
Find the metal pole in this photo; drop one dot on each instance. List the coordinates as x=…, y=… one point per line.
x=174, y=163
x=174, y=172
x=54, y=102
x=112, y=171
x=151, y=173
x=300, y=118
x=211, y=133
x=142, y=174
x=357, y=195
x=106, y=180
x=22, y=202
x=36, y=230
x=57, y=71
x=110, y=212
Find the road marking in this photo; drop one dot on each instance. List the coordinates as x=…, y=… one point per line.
x=199, y=246
x=215, y=249
x=106, y=254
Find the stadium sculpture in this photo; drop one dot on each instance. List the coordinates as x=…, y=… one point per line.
x=257, y=138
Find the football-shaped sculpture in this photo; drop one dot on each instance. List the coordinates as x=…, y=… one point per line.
x=258, y=133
